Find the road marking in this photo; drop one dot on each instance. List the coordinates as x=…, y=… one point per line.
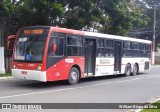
x=58, y=90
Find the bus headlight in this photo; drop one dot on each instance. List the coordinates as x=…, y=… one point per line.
x=39, y=68
x=14, y=66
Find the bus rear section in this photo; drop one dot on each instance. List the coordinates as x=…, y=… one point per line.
x=116, y=55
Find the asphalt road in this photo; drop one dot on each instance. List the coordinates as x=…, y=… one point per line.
x=109, y=89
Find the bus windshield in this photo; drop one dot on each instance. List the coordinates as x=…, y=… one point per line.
x=30, y=46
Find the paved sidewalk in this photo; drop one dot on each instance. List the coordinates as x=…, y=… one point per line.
x=150, y=102
x=8, y=77
x=155, y=65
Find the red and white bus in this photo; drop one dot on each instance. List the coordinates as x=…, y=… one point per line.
x=46, y=53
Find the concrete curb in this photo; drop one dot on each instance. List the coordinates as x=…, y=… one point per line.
x=8, y=77
x=151, y=101
x=155, y=66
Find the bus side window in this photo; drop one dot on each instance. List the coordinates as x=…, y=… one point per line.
x=74, y=45
x=100, y=47
x=148, y=51
x=109, y=48
x=143, y=50
x=59, y=42
x=127, y=49
x=136, y=49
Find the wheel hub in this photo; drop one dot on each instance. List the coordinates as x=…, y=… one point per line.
x=74, y=76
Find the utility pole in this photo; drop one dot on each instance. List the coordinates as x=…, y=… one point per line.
x=0, y=34
x=154, y=35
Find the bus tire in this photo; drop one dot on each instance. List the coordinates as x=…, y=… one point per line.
x=135, y=70
x=73, y=77
x=127, y=70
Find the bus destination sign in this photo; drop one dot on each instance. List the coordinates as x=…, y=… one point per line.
x=33, y=31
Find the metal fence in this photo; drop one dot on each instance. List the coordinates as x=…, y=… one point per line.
x=157, y=59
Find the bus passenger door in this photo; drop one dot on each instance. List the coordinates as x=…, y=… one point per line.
x=117, y=56
x=90, y=56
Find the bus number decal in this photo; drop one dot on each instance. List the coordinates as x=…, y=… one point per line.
x=104, y=61
x=69, y=60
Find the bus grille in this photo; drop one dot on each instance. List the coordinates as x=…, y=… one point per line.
x=146, y=66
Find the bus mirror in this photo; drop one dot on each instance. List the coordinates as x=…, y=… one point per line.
x=54, y=47
x=10, y=42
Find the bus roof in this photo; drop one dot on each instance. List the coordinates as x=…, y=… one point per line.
x=94, y=34
x=116, y=37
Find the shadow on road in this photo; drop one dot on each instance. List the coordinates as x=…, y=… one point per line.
x=27, y=84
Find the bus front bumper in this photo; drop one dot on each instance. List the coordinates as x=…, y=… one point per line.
x=29, y=75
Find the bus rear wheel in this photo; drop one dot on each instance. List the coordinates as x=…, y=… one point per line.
x=73, y=76
x=127, y=70
x=135, y=70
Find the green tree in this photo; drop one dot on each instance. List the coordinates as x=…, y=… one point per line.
x=123, y=16
x=148, y=11
x=41, y=12
x=81, y=14
x=107, y=16
x=6, y=8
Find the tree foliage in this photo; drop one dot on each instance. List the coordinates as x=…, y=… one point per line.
x=6, y=9
x=123, y=16
x=148, y=7
x=150, y=13
x=106, y=16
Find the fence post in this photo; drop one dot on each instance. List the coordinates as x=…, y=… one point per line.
x=2, y=69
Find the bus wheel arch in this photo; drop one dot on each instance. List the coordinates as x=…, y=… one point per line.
x=74, y=75
x=127, y=71
x=135, y=69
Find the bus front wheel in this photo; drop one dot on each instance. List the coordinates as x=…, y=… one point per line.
x=73, y=76
x=127, y=70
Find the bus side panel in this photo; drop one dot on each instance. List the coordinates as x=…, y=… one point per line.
x=60, y=70
x=104, y=66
